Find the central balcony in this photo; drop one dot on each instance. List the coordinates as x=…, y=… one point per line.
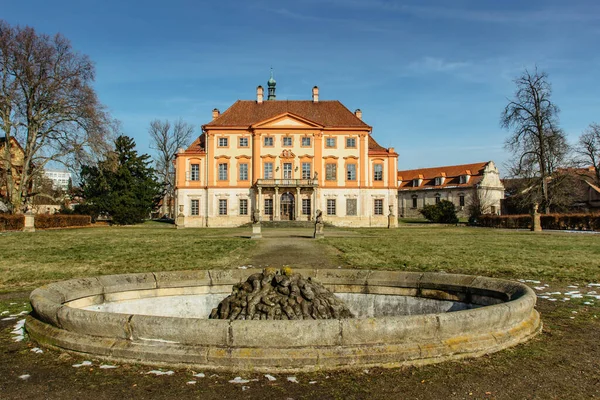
x=286, y=183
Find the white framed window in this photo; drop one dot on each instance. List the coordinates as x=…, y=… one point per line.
x=287, y=140
x=268, y=206
x=378, y=172
x=351, y=142
x=268, y=170
x=243, y=206
x=243, y=142
x=351, y=172
x=464, y=179
x=222, y=206
x=243, y=169
x=195, y=172
x=330, y=172
x=268, y=141
x=378, y=207
x=305, y=206
x=287, y=170
x=195, y=207
x=330, y=142
x=305, y=141
x=438, y=181
x=415, y=182
x=351, y=207
x=223, y=172
x=223, y=142
x=306, y=170
x=330, y=206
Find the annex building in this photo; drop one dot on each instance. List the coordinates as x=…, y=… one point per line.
x=287, y=159
x=468, y=185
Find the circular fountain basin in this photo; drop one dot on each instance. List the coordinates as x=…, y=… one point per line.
x=403, y=318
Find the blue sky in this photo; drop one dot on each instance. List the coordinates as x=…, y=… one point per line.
x=431, y=77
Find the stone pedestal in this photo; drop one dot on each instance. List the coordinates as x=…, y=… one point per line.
x=256, y=231
x=392, y=221
x=319, y=231
x=536, y=222
x=29, y=223
x=180, y=221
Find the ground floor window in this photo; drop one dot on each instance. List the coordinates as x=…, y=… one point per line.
x=461, y=200
x=437, y=198
x=195, y=207
x=414, y=202
x=378, y=207
x=330, y=206
x=222, y=207
x=305, y=206
x=268, y=206
x=351, y=207
x=243, y=206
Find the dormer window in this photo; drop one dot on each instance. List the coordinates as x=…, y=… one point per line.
x=439, y=181
x=415, y=183
x=464, y=179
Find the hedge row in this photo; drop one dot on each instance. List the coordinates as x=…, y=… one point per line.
x=582, y=222
x=9, y=222
x=44, y=221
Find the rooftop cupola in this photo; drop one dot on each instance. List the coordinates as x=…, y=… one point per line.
x=271, y=84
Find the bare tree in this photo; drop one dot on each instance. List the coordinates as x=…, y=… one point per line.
x=588, y=149
x=48, y=105
x=166, y=140
x=538, y=145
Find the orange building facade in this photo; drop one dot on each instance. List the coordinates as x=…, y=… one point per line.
x=287, y=159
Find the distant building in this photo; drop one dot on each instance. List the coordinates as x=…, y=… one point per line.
x=465, y=185
x=60, y=179
x=287, y=159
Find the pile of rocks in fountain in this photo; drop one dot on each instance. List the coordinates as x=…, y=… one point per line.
x=280, y=295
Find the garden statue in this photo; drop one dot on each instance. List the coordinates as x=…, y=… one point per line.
x=318, y=225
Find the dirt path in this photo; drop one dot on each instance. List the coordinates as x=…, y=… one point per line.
x=293, y=247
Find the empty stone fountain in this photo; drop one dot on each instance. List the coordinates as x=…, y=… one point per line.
x=400, y=318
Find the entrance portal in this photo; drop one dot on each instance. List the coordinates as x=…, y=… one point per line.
x=287, y=207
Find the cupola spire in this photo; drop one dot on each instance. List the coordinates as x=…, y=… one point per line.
x=271, y=84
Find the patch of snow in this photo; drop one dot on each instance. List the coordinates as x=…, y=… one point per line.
x=199, y=375
x=37, y=350
x=551, y=299
x=106, y=366
x=566, y=299
x=529, y=281
x=270, y=377
x=577, y=296
x=8, y=319
x=13, y=304
x=574, y=312
x=244, y=388
x=573, y=286
x=191, y=382
x=312, y=382
x=4, y=312
x=572, y=317
x=593, y=284
x=238, y=379
x=19, y=331
x=243, y=267
x=292, y=379
x=159, y=373
x=592, y=292
x=572, y=292
x=540, y=288
x=25, y=377
x=587, y=303
x=83, y=364
x=544, y=297
x=19, y=338
x=554, y=293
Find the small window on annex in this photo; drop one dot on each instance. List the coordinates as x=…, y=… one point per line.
x=223, y=172
x=306, y=170
x=438, y=198
x=287, y=140
x=330, y=206
x=351, y=206
x=223, y=142
x=330, y=172
x=306, y=141
x=461, y=200
x=195, y=208
x=351, y=172
x=243, y=142
x=414, y=202
x=378, y=207
x=305, y=206
x=268, y=141
x=378, y=172
x=243, y=206
x=268, y=206
x=222, y=207
x=351, y=143
x=330, y=142
x=195, y=172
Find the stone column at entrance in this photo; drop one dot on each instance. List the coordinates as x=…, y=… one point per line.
x=276, y=201
x=298, y=203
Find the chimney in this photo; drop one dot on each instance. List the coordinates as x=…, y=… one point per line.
x=216, y=114
x=358, y=113
x=259, y=94
x=315, y=95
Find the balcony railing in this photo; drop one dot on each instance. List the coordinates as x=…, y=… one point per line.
x=286, y=182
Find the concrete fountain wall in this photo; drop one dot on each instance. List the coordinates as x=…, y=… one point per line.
x=504, y=316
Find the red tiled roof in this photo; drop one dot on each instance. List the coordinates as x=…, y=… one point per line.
x=451, y=172
x=198, y=146
x=375, y=148
x=329, y=113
